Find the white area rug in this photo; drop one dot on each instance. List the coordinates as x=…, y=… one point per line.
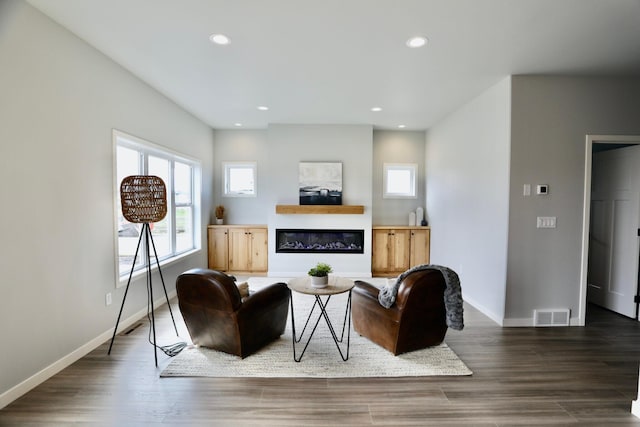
x=321, y=359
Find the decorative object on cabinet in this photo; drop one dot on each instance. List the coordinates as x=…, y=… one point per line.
x=219, y=213
x=320, y=183
x=396, y=249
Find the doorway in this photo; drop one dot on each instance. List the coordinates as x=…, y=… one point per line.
x=610, y=280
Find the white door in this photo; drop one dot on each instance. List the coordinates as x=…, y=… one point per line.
x=615, y=220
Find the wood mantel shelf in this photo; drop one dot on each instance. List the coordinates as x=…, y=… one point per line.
x=319, y=209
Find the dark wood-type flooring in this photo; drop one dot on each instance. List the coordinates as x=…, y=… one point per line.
x=522, y=376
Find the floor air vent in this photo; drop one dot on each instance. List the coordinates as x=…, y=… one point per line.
x=558, y=317
x=131, y=329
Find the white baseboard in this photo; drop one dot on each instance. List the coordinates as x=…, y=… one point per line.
x=498, y=319
x=527, y=322
x=46, y=373
x=635, y=408
x=513, y=322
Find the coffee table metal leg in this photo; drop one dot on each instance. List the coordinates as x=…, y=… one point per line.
x=307, y=322
x=347, y=318
x=295, y=339
x=323, y=314
x=347, y=315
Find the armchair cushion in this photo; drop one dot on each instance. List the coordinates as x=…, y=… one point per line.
x=243, y=288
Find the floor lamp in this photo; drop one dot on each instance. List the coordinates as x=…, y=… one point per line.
x=144, y=200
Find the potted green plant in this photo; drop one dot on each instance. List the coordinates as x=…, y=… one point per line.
x=219, y=213
x=320, y=275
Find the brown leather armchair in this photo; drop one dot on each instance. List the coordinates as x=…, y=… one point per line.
x=416, y=320
x=217, y=317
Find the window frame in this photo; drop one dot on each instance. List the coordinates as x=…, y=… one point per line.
x=411, y=192
x=146, y=149
x=226, y=178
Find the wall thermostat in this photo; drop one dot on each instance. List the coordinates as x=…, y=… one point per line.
x=542, y=189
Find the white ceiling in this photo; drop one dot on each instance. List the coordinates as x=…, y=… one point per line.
x=330, y=61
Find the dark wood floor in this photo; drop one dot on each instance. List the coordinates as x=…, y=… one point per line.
x=522, y=376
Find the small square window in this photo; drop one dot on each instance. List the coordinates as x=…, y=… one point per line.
x=399, y=180
x=240, y=179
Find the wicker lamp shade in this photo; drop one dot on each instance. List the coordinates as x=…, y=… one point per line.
x=144, y=198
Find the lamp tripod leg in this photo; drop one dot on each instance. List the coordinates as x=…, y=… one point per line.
x=146, y=233
x=126, y=291
x=150, y=292
x=163, y=285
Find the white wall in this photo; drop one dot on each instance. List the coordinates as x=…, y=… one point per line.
x=253, y=145
x=60, y=100
x=242, y=146
x=288, y=146
x=397, y=147
x=467, y=164
x=551, y=117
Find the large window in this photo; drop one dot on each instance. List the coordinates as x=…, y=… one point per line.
x=177, y=234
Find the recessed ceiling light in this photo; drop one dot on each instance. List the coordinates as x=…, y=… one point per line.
x=219, y=39
x=263, y=108
x=237, y=125
x=376, y=109
x=417, y=41
x=401, y=126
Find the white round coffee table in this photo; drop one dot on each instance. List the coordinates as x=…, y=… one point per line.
x=337, y=285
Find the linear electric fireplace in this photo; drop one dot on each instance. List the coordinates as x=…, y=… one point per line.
x=319, y=241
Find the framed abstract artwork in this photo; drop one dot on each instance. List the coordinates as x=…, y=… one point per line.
x=320, y=183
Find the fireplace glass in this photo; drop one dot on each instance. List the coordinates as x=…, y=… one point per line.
x=319, y=241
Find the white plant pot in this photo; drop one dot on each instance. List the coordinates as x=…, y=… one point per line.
x=319, y=282
x=219, y=221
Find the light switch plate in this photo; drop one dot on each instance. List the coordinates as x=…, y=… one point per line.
x=546, y=222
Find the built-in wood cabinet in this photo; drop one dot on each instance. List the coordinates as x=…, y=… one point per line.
x=390, y=252
x=420, y=246
x=396, y=249
x=238, y=248
x=218, y=239
x=248, y=249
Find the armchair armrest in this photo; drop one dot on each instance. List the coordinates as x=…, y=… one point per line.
x=366, y=295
